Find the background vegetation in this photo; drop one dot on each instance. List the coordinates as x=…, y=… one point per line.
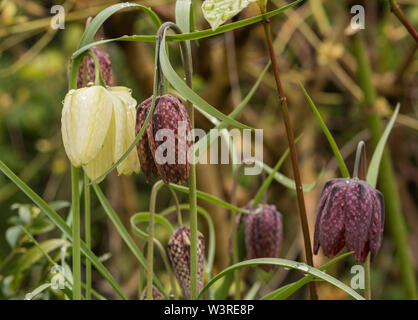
x=313, y=45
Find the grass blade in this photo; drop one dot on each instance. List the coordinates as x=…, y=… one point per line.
x=192, y=35
x=285, y=264
x=210, y=198
x=285, y=181
x=189, y=94
x=333, y=144
x=287, y=290
x=374, y=165
x=123, y=232
x=60, y=223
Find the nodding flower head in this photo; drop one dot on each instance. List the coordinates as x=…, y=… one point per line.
x=164, y=147
x=263, y=231
x=98, y=126
x=105, y=67
x=350, y=213
x=179, y=253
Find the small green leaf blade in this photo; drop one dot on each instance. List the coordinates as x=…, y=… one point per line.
x=287, y=290
x=285, y=264
x=189, y=94
x=333, y=144
x=374, y=165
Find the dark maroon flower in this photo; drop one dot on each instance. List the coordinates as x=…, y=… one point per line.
x=169, y=113
x=263, y=232
x=156, y=294
x=350, y=213
x=179, y=253
x=105, y=67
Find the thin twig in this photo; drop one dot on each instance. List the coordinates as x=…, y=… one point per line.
x=397, y=11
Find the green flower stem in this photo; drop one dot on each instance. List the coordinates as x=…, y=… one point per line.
x=394, y=218
x=87, y=227
x=234, y=235
x=192, y=173
x=150, y=254
x=76, y=234
x=293, y=154
x=367, y=284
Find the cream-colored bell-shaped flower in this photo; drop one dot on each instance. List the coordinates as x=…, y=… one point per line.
x=98, y=126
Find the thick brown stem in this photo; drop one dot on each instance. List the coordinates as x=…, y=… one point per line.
x=394, y=7
x=295, y=164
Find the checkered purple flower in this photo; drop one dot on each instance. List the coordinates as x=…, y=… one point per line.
x=350, y=213
x=169, y=113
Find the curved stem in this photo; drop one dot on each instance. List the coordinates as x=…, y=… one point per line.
x=295, y=164
x=167, y=267
x=192, y=174
x=234, y=234
x=176, y=200
x=150, y=253
x=87, y=227
x=361, y=149
x=76, y=234
x=396, y=9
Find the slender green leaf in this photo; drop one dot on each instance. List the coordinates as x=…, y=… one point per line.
x=38, y=290
x=61, y=224
x=188, y=93
x=184, y=16
x=287, y=182
x=203, y=144
x=98, y=21
x=285, y=264
x=192, y=35
x=287, y=290
x=333, y=144
x=374, y=165
x=270, y=177
x=144, y=217
x=34, y=254
x=210, y=198
x=111, y=214
x=217, y=12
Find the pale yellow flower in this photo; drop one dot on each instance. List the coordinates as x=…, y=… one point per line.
x=98, y=126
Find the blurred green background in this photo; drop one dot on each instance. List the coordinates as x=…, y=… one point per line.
x=314, y=46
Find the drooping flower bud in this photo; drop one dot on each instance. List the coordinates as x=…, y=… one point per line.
x=98, y=126
x=350, y=213
x=179, y=253
x=164, y=146
x=156, y=294
x=105, y=67
x=263, y=232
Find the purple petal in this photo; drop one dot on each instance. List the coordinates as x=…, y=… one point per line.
x=331, y=224
x=358, y=214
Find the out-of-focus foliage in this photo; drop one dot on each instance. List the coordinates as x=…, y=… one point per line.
x=313, y=46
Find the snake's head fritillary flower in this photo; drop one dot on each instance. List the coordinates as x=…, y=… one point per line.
x=263, y=232
x=105, y=67
x=156, y=294
x=179, y=253
x=350, y=213
x=167, y=130
x=98, y=126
